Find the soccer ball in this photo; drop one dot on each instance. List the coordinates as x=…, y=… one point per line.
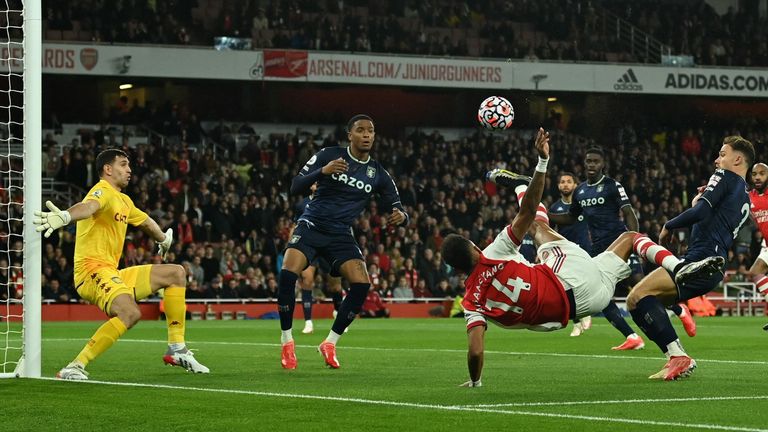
x=496, y=113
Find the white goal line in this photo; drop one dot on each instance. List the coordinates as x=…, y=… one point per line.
x=402, y=404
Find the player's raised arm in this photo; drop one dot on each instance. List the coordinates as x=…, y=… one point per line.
x=55, y=218
x=530, y=202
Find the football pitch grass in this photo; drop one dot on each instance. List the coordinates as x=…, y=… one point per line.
x=397, y=374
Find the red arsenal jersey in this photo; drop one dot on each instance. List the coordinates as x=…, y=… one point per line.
x=513, y=293
x=759, y=209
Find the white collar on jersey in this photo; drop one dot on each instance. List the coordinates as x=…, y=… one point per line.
x=358, y=160
x=597, y=182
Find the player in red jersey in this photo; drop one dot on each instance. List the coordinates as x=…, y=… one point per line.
x=511, y=292
x=759, y=210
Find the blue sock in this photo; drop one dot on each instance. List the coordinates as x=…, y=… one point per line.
x=336, y=300
x=286, y=298
x=652, y=318
x=676, y=308
x=613, y=315
x=350, y=307
x=306, y=302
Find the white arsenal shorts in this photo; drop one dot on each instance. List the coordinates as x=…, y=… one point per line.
x=592, y=280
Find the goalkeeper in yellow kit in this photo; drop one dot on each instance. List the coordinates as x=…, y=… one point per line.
x=102, y=220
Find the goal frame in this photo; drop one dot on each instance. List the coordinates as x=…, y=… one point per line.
x=29, y=364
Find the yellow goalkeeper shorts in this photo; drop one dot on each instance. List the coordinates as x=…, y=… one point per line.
x=101, y=285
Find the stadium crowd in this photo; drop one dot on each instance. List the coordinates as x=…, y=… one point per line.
x=573, y=30
x=232, y=215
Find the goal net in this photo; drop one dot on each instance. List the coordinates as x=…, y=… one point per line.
x=20, y=195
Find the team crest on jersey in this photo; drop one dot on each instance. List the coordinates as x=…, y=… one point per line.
x=117, y=280
x=544, y=256
x=294, y=239
x=371, y=172
x=97, y=193
x=599, y=188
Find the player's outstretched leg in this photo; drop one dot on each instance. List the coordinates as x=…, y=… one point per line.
x=682, y=271
x=125, y=314
x=102, y=340
x=350, y=307
x=175, y=315
x=286, y=302
x=646, y=304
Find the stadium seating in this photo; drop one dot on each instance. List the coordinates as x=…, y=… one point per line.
x=546, y=30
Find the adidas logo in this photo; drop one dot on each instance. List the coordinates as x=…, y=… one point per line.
x=628, y=82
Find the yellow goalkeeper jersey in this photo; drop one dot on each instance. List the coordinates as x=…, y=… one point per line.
x=100, y=238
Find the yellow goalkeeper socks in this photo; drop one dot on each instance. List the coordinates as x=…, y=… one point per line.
x=175, y=313
x=104, y=337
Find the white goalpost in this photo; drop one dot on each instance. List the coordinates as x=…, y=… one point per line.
x=20, y=191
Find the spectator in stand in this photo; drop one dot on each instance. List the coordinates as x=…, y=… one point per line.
x=184, y=230
x=690, y=144
x=421, y=290
x=410, y=274
x=374, y=307
x=195, y=290
x=52, y=290
x=215, y=288
x=196, y=271
x=402, y=290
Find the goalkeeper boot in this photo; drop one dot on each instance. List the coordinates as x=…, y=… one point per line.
x=74, y=372
x=328, y=350
x=699, y=269
x=184, y=358
x=586, y=323
x=506, y=178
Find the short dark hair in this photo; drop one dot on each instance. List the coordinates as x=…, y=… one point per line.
x=457, y=252
x=595, y=150
x=355, y=118
x=743, y=146
x=568, y=174
x=106, y=158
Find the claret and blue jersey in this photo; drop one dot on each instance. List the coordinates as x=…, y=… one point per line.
x=577, y=232
x=340, y=198
x=600, y=204
x=727, y=195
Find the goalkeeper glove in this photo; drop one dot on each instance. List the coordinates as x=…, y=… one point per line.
x=51, y=220
x=165, y=245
